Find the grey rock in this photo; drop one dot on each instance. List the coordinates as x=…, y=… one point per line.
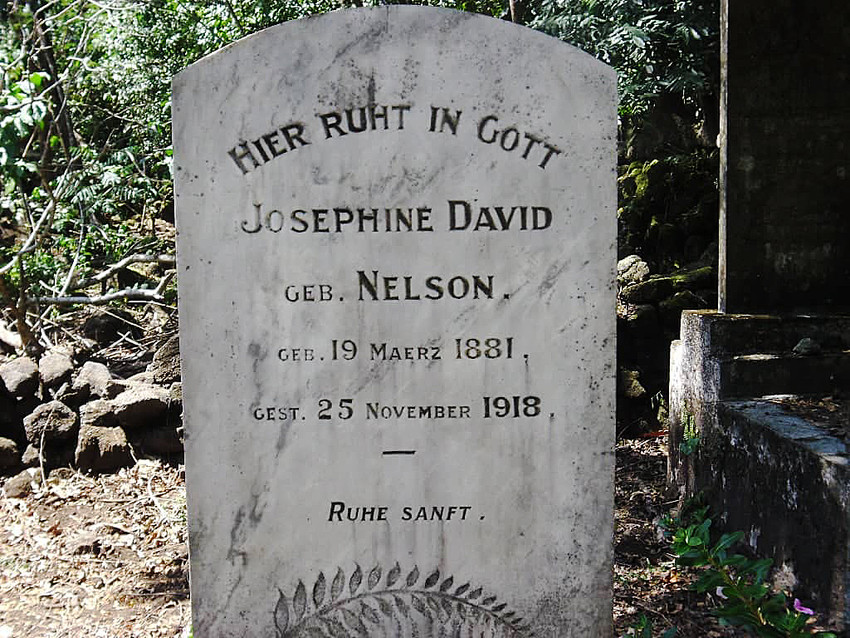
x=20, y=376
x=73, y=397
x=60, y=474
x=31, y=456
x=57, y=454
x=102, y=449
x=21, y=484
x=8, y=412
x=657, y=288
x=52, y=455
x=10, y=455
x=96, y=380
x=175, y=396
x=631, y=270
x=52, y=421
x=55, y=368
x=630, y=385
x=684, y=300
x=141, y=405
x=9, y=341
x=642, y=319
x=161, y=441
x=807, y=347
x=695, y=278
x=650, y=291
x=709, y=256
x=107, y=327
x=140, y=377
x=99, y=413
x=165, y=366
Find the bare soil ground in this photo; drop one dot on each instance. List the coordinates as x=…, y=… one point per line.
x=106, y=556
x=647, y=581
x=96, y=557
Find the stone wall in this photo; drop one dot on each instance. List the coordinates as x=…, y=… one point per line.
x=62, y=410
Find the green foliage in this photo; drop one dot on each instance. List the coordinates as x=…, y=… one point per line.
x=690, y=436
x=85, y=121
x=161, y=37
x=112, y=186
x=668, y=208
x=738, y=581
x=657, y=46
x=22, y=109
x=643, y=628
x=76, y=241
x=85, y=110
x=70, y=151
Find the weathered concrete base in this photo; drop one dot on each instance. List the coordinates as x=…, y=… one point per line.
x=782, y=479
x=785, y=482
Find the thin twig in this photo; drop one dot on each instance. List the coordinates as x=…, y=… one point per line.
x=162, y=513
x=160, y=289
x=168, y=260
x=235, y=17
x=45, y=338
x=71, y=335
x=69, y=278
x=123, y=319
x=41, y=451
x=29, y=243
x=125, y=336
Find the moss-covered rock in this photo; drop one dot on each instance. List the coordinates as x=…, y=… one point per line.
x=662, y=287
x=668, y=208
x=653, y=290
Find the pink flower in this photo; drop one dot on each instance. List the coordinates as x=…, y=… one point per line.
x=798, y=607
x=719, y=592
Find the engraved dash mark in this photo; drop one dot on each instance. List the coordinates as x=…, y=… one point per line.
x=399, y=452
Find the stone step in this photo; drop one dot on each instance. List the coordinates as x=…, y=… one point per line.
x=763, y=334
x=756, y=375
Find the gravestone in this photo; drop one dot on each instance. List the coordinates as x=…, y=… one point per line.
x=784, y=171
x=396, y=248
x=748, y=383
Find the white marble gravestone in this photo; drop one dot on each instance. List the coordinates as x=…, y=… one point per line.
x=396, y=251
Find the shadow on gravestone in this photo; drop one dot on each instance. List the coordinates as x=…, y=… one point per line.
x=397, y=264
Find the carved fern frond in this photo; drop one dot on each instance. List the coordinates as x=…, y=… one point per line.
x=399, y=605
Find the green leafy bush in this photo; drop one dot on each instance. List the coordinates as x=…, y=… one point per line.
x=644, y=628
x=657, y=46
x=22, y=109
x=738, y=582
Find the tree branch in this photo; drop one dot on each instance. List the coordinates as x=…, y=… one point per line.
x=516, y=9
x=69, y=278
x=167, y=260
x=235, y=17
x=128, y=294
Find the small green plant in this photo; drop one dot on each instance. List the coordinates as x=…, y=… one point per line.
x=738, y=582
x=690, y=437
x=643, y=628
